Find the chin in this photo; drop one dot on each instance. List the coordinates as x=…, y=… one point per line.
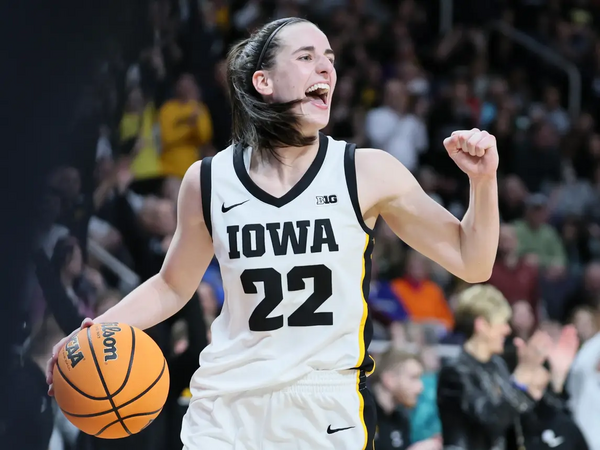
x=313, y=123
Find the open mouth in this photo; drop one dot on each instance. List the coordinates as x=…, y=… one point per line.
x=318, y=94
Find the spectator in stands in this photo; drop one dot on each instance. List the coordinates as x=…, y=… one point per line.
x=138, y=136
x=584, y=321
x=583, y=390
x=478, y=399
x=513, y=275
x=424, y=417
x=513, y=195
x=68, y=263
x=423, y=300
x=49, y=232
x=552, y=110
x=186, y=128
x=588, y=292
x=537, y=237
x=394, y=128
x=396, y=389
x=538, y=162
x=76, y=207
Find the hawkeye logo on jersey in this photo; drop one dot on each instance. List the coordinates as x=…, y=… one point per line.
x=326, y=199
x=285, y=238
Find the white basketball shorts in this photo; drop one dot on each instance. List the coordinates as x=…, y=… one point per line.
x=325, y=410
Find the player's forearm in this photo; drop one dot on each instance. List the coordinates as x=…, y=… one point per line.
x=149, y=304
x=479, y=230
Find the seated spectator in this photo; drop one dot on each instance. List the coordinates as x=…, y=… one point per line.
x=583, y=389
x=588, y=292
x=584, y=321
x=396, y=388
x=512, y=274
x=523, y=324
x=422, y=298
x=537, y=237
x=424, y=418
x=68, y=263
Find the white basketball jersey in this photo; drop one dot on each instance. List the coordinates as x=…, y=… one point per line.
x=295, y=272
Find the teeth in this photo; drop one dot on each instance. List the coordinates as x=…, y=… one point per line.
x=317, y=86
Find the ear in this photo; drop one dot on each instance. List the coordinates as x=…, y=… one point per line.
x=479, y=325
x=262, y=83
x=386, y=380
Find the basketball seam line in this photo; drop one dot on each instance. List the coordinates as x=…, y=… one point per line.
x=106, y=427
x=128, y=374
x=91, y=397
x=129, y=402
x=103, y=381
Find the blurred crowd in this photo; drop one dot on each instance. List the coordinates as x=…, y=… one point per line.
x=403, y=86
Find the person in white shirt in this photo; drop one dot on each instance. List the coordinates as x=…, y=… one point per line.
x=393, y=128
x=583, y=387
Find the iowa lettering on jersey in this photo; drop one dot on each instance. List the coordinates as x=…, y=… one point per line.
x=285, y=238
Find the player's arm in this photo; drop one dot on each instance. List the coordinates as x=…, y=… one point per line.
x=167, y=292
x=189, y=255
x=465, y=248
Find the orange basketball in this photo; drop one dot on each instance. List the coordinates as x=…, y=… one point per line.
x=111, y=380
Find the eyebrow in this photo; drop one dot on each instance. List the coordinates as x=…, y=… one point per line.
x=311, y=48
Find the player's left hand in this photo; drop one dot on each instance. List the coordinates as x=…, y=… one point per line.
x=474, y=151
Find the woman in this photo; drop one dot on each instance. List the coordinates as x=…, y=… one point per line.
x=289, y=213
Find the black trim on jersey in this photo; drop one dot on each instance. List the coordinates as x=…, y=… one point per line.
x=205, y=191
x=369, y=413
x=295, y=191
x=367, y=364
x=350, y=170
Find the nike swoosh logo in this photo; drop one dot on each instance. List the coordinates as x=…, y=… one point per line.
x=335, y=430
x=224, y=209
x=556, y=442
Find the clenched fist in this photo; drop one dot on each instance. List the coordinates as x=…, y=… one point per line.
x=474, y=151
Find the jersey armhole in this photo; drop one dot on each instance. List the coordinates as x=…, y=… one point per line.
x=350, y=170
x=205, y=191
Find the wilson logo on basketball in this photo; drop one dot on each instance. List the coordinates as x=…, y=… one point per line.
x=109, y=342
x=74, y=353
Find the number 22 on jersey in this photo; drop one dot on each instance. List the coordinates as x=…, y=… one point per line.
x=306, y=315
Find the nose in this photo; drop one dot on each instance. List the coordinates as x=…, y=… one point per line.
x=324, y=65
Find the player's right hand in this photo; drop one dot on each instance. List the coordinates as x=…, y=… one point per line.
x=87, y=322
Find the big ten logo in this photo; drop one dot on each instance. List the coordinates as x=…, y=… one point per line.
x=74, y=354
x=326, y=199
x=109, y=342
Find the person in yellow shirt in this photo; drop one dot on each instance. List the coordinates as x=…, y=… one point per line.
x=138, y=137
x=186, y=128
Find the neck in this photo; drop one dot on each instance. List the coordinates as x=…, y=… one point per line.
x=286, y=161
x=478, y=350
x=384, y=398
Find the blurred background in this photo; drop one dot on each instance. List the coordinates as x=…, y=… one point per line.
x=410, y=72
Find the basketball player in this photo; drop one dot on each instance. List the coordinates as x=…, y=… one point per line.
x=289, y=214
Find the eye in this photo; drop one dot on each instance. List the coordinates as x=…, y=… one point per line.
x=306, y=58
x=332, y=61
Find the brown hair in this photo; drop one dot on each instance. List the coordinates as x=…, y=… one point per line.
x=256, y=123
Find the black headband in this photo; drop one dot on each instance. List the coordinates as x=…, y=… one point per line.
x=268, y=42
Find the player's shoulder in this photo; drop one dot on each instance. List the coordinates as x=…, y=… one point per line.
x=372, y=159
